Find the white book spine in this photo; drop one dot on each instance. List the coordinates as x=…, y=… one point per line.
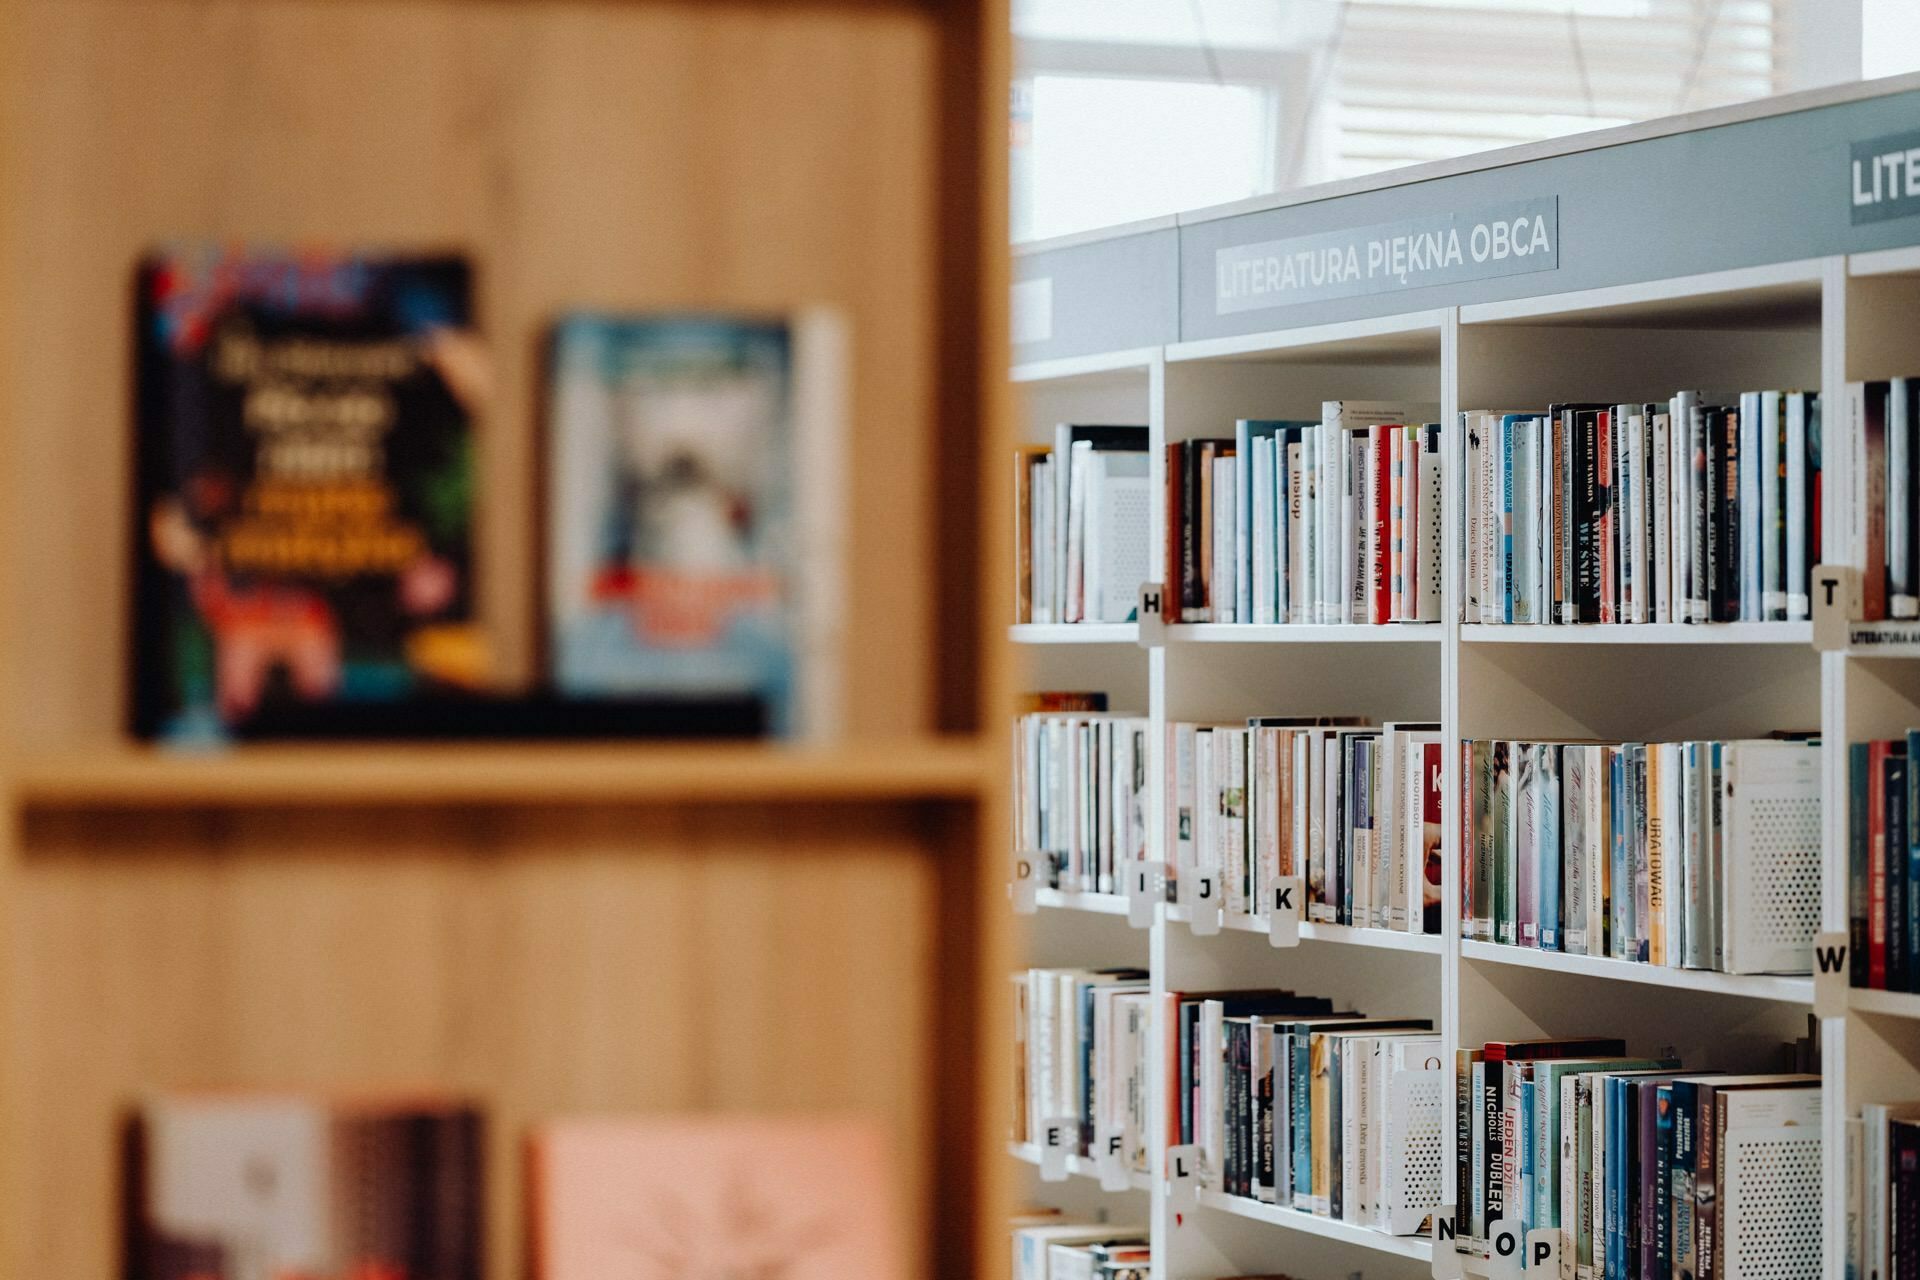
x=1327, y=503
x=1752, y=567
x=1430, y=536
x=1262, y=535
x=1472, y=515
x=1679, y=527
x=1660, y=514
x=1296, y=561
x=1797, y=496
x=1773, y=515
x=1573, y=836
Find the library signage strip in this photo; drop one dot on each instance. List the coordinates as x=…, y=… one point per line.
x=1452, y=740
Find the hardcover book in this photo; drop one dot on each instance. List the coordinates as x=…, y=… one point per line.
x=693, y=538
x=304, y=485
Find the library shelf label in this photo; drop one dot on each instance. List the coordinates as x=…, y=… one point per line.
x=1505, y=239
x=1030, y=317
x=1446, y=1255
x=1543, y=1254
x=1283, y=913
x=1886, y=177
x=1836, y=602
x=1023, y=886
x=1146, y=886
x=1830, y=975
x=1109, y=1159
x=1152, y=629
x=1058, y=1138
x=1183, y=1177
x=1208, y=911
x=1504, y=1246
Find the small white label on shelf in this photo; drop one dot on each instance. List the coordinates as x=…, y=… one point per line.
x=1207, y=912
x=1146, y=885
x=1283, y=912
x=1543, y=1254
x=1446, y=1258
x=1057, y=1140
x=1504, y=1247
x=1110, y=1159
x=1024, y=885
x=1836, y=602
x=1030, y=317
x=1830, y=975
x=1184, y=1176
x=1152, y=615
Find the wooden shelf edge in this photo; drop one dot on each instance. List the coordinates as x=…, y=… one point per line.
x=500, y=774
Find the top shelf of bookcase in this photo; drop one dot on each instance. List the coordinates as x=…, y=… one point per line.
x=1110, y=368
x=493, y=774
x=1409, y=338
x=1904, y=261
x=1783, y=295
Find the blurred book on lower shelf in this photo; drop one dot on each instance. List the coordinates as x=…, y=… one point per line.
x=664, y=1197
x=262, y=1186
x=1061, y=1250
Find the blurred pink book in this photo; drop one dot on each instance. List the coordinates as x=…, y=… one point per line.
x=713, y=1198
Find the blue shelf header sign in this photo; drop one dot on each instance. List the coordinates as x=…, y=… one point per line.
x=1886, y=177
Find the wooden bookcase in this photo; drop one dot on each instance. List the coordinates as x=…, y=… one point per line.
x=555, y=929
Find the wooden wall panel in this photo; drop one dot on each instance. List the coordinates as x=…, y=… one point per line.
x=551, y=962
x=654, y=155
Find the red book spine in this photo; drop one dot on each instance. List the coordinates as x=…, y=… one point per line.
x=1877, y=753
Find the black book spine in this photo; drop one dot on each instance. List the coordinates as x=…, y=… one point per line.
x=1192, y=600
x=1493, y=1163
x=1903, y=1141
x=1586, y=514
x=1463, y=1145
x=1897, y=886
x=1729, y=548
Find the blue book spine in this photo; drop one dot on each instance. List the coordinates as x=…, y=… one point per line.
x=1621, y=891
x=1302, y=1120
x=1528, y=1155
x=1617, y=1131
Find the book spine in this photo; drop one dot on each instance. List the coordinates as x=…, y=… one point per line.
x=1894, y=847
x=1659, y=512
x=1700, y=492
x=1797, y=502
x=1751, y=565
x=1773, y=518
x=1877, y=753
x=1859, y=880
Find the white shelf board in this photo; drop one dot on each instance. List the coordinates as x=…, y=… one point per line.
x=1264, y=633
x=1074, y=633
x=1328, y=1228
x=1103, y=366
x=1756, y=986
x=1400, y=339
x=1655, y=633
x=1104, y=904
x=1078, y=1166
x=1904, y=261
x=1892, y=1004
x=1346, y=935
x=1786, y=292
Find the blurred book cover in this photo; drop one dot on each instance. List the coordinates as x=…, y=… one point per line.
x=693, y=511
x=695, y=1198
x=292, y=1187
x=305, y=484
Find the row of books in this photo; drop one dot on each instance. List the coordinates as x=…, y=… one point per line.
x=1294, y=1103
x=1081, y=525
x=1080, y=791
x=1884, y=523
x=1698, y=855
x=1883, y=864
x=1883, y=1192
x=1648, y=1171
x=1046, y=1246
x=1335, y=521
x=1353, y=809
x=242, y=1184
x=1082, y=1040
x=1701, y=508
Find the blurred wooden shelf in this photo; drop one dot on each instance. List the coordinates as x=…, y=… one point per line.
x=499, y=774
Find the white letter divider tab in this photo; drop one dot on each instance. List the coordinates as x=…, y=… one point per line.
x=1446, y=1256
x=1504, y=1247
x=1023, y=885
x=1057, y=1141
x=1152, y=615
x=1836, y=603
x=1543, y=1253
x=1183, y=1177
x=1146, y=885
x=1206, y=912
x=1831, y=964
x=1110, y=1158
x=1283, y=912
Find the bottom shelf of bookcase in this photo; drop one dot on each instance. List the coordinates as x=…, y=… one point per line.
x=1312, y=1224
x=1078, y=1166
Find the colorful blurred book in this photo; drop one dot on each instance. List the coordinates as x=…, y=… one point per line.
x=693, y=508
x=304, y=484
x=674, y=1197
x=269, y=1186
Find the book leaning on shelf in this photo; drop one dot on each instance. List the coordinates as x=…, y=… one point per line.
x=1081, y=525
x=1080, y=790
x=1352, y=809
x=1695, y=855
x=1333, y=521
x=1083, y=1045
x=1700, y=508
x=1294, y=1103
x=1647, y=1170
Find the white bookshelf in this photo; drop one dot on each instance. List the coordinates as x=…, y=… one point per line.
x=1816, y=324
